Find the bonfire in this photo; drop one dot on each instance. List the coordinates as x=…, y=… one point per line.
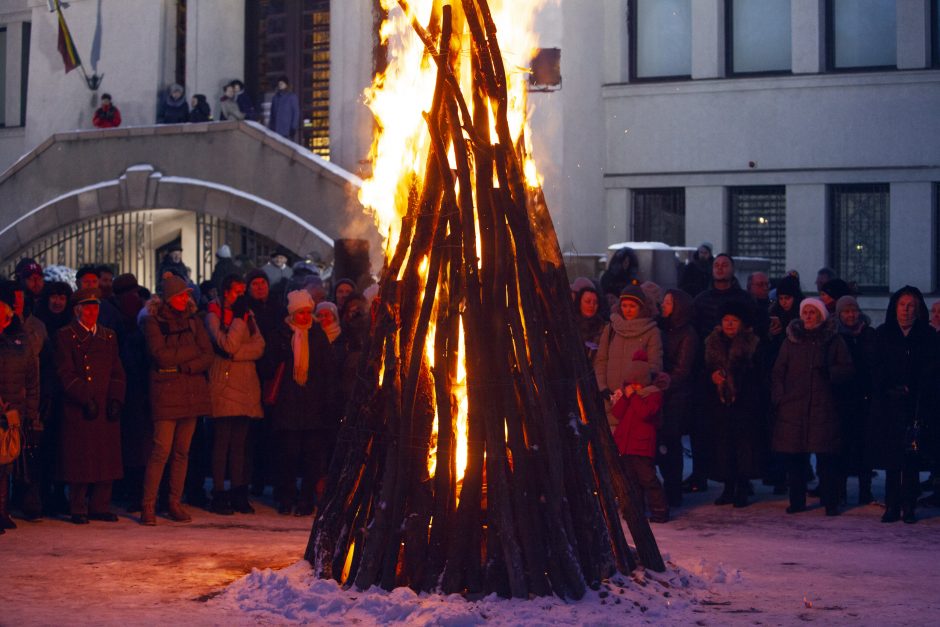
x=474, y=455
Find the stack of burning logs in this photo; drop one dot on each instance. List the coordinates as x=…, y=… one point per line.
x=538, y=510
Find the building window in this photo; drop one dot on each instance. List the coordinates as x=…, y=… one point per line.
x=659, y=215
x=758, y=224
x=862, y=34
x=546, y=70
x=3, y=76
x=858, y=224
x=661, y=38
x=14, y=50
x=758, y=36
x=935, y=31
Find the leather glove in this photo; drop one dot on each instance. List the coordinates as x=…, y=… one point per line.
x=114, y=410
x=606, y=394
x=90, y=410
x=240, y=307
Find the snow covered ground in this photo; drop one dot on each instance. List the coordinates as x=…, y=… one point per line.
x=748, y=566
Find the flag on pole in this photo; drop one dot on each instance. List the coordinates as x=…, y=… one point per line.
x=66, y=43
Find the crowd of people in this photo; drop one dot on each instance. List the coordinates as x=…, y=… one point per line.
x=207, y=395
x=234, y=104
x=761, y=379
x=132, y=398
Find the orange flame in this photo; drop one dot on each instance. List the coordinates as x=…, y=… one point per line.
x=400, y=147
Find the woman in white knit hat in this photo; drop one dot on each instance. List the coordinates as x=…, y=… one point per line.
x=298, y=366
x=812, y=359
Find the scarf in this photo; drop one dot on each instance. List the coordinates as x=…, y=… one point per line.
x=301, y=350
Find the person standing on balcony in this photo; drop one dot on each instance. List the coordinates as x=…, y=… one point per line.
x=285, y=110
x=173, y=108
x=228, y=106
x=243, y=100
x=107, y=115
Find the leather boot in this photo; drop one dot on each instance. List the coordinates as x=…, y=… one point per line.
x=148, y=515
x=5, y=521
x=177, y=514
x=240, y=501
x=221, y=503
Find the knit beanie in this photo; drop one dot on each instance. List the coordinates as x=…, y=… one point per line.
x=818, y=304
x=257, y=273
x=789, y=286
x=636, y=294
x=299, y=299
x=835, y=288
x=846, y=302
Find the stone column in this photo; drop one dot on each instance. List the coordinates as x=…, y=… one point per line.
x=808, y=36
x=913, y=27
x=911, y=235
x=706, y=217
x=807, y=232
x=618, y=210
x=708, y=38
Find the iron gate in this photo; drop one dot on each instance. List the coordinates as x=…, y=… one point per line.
x=124, y=241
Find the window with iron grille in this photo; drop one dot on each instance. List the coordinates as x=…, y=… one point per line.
x=858, y=226
x=659, y=215
x=758, y=224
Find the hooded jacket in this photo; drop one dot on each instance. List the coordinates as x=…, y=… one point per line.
x=233, y=379
x=680, y=358
x=904, y=375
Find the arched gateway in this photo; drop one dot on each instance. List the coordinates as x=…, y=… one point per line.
x=237, y=172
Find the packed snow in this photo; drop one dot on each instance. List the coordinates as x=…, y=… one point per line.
x=755, y=565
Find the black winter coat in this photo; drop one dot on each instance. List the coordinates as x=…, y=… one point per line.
x=681, y=362
x=807, y=367
x=19, y=374
x=854, y=398
x=905, y=376
x=735, y=410
x=300, y=408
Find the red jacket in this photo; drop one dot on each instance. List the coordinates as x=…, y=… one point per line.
x=636, y=432
x=107, y=116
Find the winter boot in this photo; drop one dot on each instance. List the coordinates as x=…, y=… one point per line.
x=741, y=492
x=221, y=503
x=727, y=495
x=240, y=500
x=148, y=515
x=5, y=521
x=177, y=514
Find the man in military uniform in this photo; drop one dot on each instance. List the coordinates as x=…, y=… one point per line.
x=93, y=386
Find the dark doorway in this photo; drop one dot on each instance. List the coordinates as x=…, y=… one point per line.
x=291, y=38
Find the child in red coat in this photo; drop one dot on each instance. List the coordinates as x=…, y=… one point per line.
x=637, y=405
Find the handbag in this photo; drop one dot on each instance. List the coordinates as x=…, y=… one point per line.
x=272, y=387
x=11, y=435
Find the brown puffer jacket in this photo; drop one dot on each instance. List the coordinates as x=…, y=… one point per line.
x=233, y=379
x=809, y=364
x=19, y=374
x=180, y=354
